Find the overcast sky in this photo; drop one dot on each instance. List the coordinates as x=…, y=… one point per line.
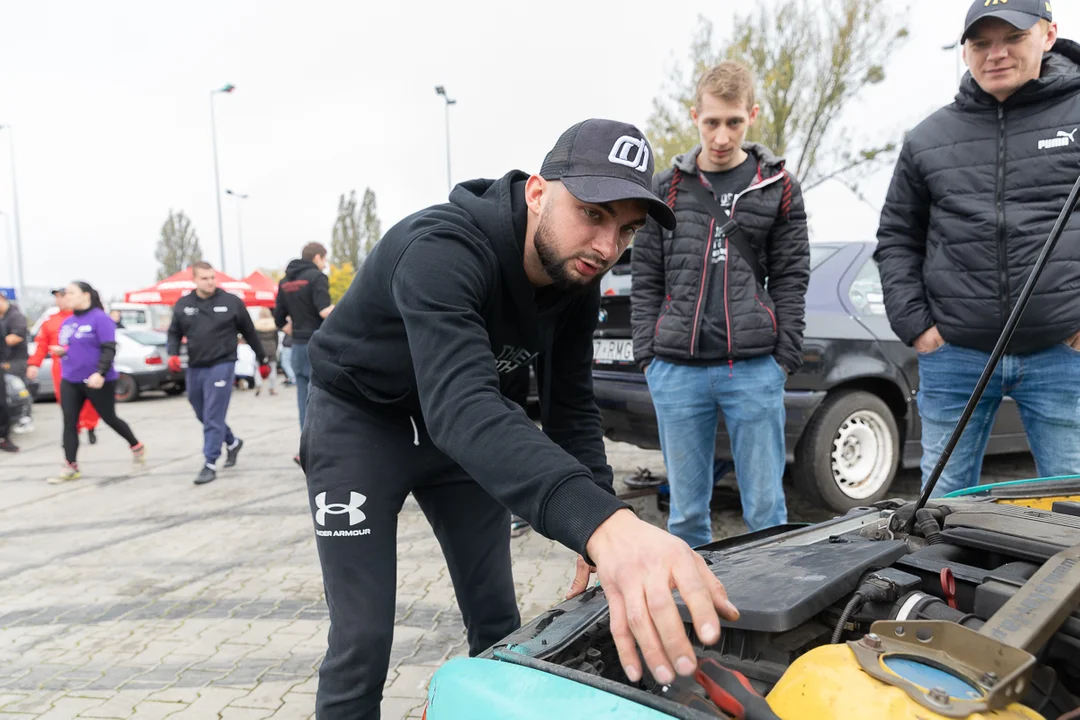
x=110, y=107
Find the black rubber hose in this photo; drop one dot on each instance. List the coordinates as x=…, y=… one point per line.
x=928, y=526
x=854, y=604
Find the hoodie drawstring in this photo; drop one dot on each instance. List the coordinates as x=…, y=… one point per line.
x=415, y=432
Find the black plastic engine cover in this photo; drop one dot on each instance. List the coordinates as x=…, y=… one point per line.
x=776, y=589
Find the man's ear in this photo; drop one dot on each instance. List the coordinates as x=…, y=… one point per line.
x=535, y=189
x=1051, y=37
x=693, y=115
x=754, y=112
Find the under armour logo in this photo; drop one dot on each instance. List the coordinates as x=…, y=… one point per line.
x=630, y=151
x=356, y=515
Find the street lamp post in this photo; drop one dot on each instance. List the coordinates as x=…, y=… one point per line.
x=217, y=181
x=10, y=248
x=239, y=230
x=440, y=90
x=15, y=211
x=956, y=47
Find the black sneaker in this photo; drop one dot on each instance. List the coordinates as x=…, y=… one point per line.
x=7, y=446
x=230, y=455
x=518, y=526
x=91, y=436
x=644, y=478
x=207, y=474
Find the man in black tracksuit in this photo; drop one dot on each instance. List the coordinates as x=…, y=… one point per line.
x=409, y=378
x=211, y=319
x=304, y=296
x=718, y=324
x=977, y=188
x=5, y=415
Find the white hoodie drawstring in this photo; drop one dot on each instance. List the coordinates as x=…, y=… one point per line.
x=415, y=432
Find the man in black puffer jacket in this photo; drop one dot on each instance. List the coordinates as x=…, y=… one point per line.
x=711, y=335
x=976, y=191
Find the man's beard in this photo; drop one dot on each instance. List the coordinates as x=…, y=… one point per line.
x=558, y=268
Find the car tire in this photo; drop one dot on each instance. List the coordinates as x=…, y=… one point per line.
x=126, y=389
x=849, y=453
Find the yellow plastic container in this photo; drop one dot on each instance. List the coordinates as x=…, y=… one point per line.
x=828, y=684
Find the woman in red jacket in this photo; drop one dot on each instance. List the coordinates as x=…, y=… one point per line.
x=47, y=338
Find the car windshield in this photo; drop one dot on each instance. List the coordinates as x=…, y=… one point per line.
x=147, y=337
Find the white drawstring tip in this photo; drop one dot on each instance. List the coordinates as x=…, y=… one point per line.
x=415, y=432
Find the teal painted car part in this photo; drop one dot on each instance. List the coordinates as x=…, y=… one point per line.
x=986, y=489
x=477, y=689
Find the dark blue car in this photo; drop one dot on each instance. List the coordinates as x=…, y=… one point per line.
x=852, y=419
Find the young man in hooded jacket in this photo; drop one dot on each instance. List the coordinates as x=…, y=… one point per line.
x=303, y=297
x=718, y=308
x=977, y=188
x=408, y=395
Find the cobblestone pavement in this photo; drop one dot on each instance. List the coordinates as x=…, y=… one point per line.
x=135, y=594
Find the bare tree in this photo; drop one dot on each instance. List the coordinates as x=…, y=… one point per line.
x=810, y=59
x=178, y=246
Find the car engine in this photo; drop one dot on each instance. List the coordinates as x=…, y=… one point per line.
x=962, y=607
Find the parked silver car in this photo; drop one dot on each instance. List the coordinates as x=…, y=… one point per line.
x=142, y=361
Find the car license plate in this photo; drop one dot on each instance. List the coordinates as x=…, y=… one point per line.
x=610, y=352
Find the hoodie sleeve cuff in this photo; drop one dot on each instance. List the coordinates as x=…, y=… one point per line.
x=575, y=509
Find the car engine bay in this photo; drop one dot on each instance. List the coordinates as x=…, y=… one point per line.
x=969, y=606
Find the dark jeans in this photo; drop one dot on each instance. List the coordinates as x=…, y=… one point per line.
x=302, y=370
x=72, y=397
x=360, y=466
x=209, y=391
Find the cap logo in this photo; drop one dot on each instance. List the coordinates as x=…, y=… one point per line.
x=630, y=151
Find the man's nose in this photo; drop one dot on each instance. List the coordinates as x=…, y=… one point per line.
x=999, y=51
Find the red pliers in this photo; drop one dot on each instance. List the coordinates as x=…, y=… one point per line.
x=729, y=691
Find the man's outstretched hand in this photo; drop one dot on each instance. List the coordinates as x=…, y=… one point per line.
x=639, y=565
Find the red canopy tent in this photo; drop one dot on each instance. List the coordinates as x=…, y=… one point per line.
x=171, y=289
x=265, y=288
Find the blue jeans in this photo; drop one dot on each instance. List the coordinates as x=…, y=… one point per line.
x=286, y=364
x=1045, y=387
x=209, y=391
x=302, y=369
x=688, y=401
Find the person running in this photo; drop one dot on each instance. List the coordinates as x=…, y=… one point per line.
x=47, y=338
x=211, y=318
x=87, y=342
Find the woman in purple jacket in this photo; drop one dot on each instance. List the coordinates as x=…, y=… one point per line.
x=87, y=341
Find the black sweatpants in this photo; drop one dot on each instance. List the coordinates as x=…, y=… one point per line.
x=72, y=397
x=361, y=464
x=5, y=415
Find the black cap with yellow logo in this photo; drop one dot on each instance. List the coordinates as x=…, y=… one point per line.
x=1022, y=14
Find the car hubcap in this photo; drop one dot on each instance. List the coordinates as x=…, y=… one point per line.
x=862, y=454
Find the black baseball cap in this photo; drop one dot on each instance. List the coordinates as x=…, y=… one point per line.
x=58, y=291
x=1021, y=14
x=602, y=161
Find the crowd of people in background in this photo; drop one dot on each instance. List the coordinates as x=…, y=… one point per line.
x=79, y=338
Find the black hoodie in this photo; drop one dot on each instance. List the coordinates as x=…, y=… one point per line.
x=976, y=190
x=303, y=293
x=440, y=317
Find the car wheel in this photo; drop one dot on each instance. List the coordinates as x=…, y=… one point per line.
x=849, y=453
x=126, y=389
